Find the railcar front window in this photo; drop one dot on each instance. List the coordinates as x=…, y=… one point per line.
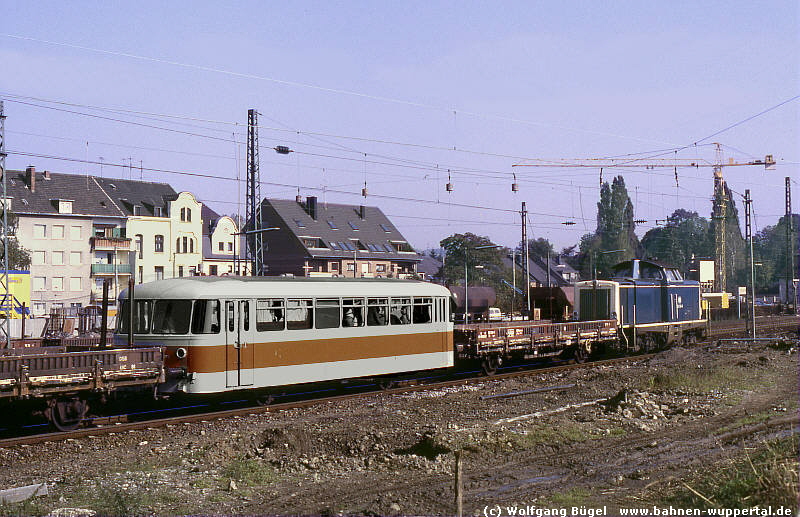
x=171, y=316
x=328, y=314
x=142, y=315
x=205, y=317
x=269, y=315
x=299, y=314
x=400, y=313
x=377, y=312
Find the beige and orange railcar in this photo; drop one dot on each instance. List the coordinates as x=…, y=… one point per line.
x=233, y=333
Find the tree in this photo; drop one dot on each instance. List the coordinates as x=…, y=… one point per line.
x=18, y=257
x=614, y=239
x=685, y=235
x=769, y=250
x=537, y=247
x=460, y=249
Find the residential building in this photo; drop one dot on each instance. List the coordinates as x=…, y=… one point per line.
x=83, y=230
x=327, y=239
x=222, y=245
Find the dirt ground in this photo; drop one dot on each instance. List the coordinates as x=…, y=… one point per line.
x=636, y=434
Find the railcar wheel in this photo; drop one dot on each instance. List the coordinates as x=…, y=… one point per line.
x=581, y=353
x=265, y=400
x=387, y=383
x=67, y=414
x=490, y=364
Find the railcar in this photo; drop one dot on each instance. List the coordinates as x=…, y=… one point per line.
x=236, y=333
x=653, y=305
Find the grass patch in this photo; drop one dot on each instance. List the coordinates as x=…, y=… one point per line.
x=575, y=496
x=704, y=380
x=745, y=420
x=766, y=477
x=549, y=435
x=249, y=472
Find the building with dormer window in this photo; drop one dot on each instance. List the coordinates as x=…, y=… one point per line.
x=327, y=239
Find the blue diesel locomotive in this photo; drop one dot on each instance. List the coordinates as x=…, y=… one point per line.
x=653, y=305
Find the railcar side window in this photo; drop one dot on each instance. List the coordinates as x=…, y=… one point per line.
x=205, y=317
x=400, y=313
x=231, y=316
x=299, y=314
x=171, y=316
x=244, y=310
x=352, y=312
x=377, y=312
x=328, y=313
x=422, y=310
x=269, y=315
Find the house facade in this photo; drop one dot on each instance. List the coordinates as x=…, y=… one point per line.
x=222, y=245
x=83, y=231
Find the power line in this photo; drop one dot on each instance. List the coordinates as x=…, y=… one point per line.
x=324, y=89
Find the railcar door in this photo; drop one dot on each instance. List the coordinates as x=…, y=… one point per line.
x=239, y=351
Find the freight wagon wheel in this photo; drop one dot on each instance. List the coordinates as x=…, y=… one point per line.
x=67, y=414
x=490, y=364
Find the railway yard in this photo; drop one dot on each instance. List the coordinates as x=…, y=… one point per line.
x=673, y=428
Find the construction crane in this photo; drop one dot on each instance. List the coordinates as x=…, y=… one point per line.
x=721, y=198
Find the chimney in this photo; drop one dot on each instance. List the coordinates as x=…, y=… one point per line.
x=362, y=212
x=30, y=175
x=47, y=175
x=299, y=199
x=311, y=206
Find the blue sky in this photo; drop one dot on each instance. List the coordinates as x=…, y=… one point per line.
x=395, y=86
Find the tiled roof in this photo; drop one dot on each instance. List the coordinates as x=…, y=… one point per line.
x=146, y=194
x=338, y=226
x=85, y=193
x=90, y=195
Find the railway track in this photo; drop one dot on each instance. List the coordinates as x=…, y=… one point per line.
x=122, y=423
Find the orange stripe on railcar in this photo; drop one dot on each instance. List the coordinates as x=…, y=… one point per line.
x=211, y=359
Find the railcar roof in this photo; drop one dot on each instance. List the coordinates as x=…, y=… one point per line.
x=234, y=286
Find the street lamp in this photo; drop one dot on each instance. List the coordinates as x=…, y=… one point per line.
x=466, y=276
x=237, y=246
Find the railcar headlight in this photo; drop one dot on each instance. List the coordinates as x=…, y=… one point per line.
x=181, y=353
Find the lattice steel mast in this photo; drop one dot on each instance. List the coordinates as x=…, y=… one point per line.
x=253, y=222
x=5, y=318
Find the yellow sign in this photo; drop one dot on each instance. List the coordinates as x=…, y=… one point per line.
x=19, y=294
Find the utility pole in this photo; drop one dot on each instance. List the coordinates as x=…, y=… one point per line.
x=5, y=322
x=526, y=278
x=255, y=239
x=789, y=245
x=749, y=236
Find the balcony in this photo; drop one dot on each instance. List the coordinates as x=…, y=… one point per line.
x=110, y=243
x=111, y=269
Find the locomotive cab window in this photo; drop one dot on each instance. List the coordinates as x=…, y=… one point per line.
x=352, y=312
x=205, y=317
x=328, y=313
x=400, y=313
x=269, y=315
x=171, y=316
x=377, y=312
x=299, y=314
